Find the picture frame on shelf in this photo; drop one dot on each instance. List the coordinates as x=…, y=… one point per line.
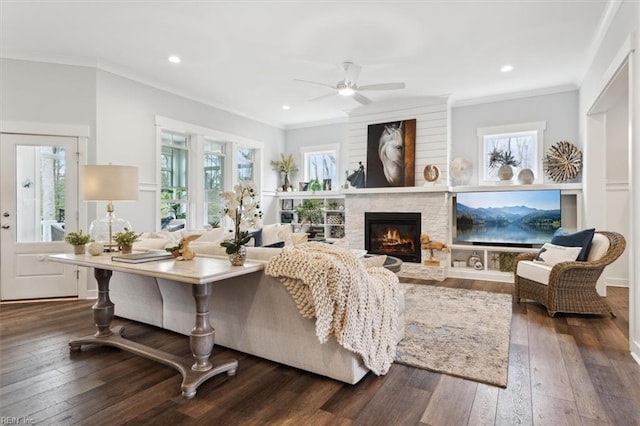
x=287, y=204
x=286, y=217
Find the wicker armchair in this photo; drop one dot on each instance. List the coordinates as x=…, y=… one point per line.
x=572, y=285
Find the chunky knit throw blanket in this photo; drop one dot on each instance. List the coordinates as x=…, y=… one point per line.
x=358, y=305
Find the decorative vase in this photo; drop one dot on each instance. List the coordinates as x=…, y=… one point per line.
x=474, y=261
x=286, y=184
x=505, y=172
x=126, y=249
x=526, y=177
x=238, y=258
x=79, y=249
x=96, y=248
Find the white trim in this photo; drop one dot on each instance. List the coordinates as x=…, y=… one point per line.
x=49, y=129
x=617, y=282
x=457, y=103
x=621, y=186
x=319, y=123
x=182, y=126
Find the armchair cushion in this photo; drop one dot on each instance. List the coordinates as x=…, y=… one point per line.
x=534, y=271
x=578, y=239
x=599, y=247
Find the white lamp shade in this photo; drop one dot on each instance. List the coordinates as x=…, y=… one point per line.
x=109, y=183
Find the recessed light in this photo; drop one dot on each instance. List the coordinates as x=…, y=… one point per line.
x=174, y=59
x=286, y=107
x=507, y=68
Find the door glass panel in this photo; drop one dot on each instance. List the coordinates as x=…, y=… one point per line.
x=40, y=176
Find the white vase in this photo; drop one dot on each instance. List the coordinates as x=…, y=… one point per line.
x=505, y=172
x=526, y=177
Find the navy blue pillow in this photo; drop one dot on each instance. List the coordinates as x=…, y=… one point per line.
x=279, y=244
x=257, y=238
x=578, y=239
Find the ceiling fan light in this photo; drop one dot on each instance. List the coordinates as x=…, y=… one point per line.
x=346, y=91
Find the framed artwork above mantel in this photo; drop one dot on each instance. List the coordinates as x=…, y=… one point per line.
x=391, y=154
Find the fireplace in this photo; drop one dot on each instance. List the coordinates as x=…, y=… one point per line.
x=393, y=234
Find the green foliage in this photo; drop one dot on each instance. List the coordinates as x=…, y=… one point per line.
x=126, y=237
x=498, y=158
x=232, y=246
x=310, y=211
x=77, y=238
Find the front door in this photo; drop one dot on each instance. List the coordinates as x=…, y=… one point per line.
x=38, y=203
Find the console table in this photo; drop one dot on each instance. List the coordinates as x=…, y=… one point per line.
x=200, y=273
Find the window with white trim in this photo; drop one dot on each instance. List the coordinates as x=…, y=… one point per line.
x=524, y=142
x=174, y=171
x=196, y=165
x=321, y=163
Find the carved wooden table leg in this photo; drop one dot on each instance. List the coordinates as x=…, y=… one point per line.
x=201, y=339
x=102, y=310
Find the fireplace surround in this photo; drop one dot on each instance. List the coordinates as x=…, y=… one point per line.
x=393, y=233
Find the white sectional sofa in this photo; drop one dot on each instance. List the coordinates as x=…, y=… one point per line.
x=253, y=314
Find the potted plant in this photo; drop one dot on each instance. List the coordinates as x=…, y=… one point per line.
x=125, y=240
x=242, y=206
x=287, y=167
x=310, y=211
x=503, y=160
x=78, y=241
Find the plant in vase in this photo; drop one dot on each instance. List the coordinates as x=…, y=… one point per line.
x=287, y=167
x=125, y=240
x=243, y=207
x=78, y=240
x=502, y=160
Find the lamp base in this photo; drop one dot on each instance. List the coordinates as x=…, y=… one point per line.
x=103, y=230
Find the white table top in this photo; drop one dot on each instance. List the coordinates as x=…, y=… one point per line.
x=200, y=270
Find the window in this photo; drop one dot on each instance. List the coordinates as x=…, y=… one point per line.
x=213, y=168
x=524, y=142
x=321, y=163
x=197, y=164
x=174, y=170
x=246, y=169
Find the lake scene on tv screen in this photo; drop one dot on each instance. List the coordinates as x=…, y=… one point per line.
x=507, y=217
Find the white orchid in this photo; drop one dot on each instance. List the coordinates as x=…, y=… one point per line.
x=242, y=206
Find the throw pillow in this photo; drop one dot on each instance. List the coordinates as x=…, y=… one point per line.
x=342, y=243
x=578, y=239
x=257, y=238
x=279, y=244
x=299, y=237
x=550, y=254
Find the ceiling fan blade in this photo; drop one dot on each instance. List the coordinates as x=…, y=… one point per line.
x=320, y=97
x=362, y=99
x=383, y=86
x=316, y=83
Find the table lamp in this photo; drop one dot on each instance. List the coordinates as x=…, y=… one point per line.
x=109, y=183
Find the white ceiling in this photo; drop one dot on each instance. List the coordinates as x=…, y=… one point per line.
x=243, y=56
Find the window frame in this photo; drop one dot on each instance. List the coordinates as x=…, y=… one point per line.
x=535, y=128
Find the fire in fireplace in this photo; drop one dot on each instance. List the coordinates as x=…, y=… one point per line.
x=393, y=234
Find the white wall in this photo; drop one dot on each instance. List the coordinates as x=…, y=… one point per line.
x=327, y=134
x=126, y=134
x=622, y=37
x=558, y=110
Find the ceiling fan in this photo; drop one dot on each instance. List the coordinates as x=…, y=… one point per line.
x=348, y=86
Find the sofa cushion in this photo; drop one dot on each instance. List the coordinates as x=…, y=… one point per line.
x=215, y=235
x=152, y=244
x=534, y=271
x=256, y=238
x=550, y=254
x=270, y=233
x=577, y=239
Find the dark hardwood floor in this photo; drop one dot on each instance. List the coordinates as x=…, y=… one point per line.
x=572, y=369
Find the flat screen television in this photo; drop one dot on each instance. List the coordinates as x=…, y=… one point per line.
x=507, y=218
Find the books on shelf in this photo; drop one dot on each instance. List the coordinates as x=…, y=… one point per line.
x=148, y=256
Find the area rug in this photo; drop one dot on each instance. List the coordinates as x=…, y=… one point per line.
x=463, y=333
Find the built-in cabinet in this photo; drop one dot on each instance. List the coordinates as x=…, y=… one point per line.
x=328, y=222
x=495, y=263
